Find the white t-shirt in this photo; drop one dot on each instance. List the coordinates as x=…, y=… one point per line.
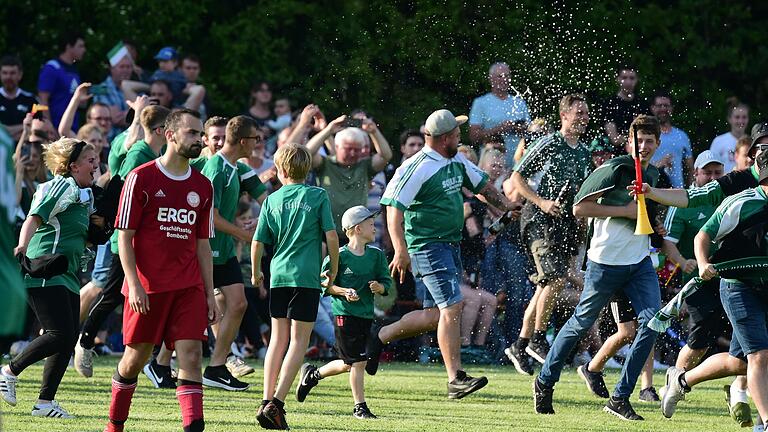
x=724, y=147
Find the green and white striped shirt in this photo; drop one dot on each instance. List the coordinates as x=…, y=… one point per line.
x=427, y=188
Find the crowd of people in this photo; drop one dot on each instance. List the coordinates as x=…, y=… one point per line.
x=162, y=230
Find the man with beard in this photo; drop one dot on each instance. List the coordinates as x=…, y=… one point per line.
x=424, y=214
x=166, y=206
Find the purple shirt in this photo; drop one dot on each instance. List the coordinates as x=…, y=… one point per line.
x=60, y=80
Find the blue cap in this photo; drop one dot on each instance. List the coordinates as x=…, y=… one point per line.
x=166, y=53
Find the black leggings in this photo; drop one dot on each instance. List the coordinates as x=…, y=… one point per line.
x=58, y=310
x=109, y=298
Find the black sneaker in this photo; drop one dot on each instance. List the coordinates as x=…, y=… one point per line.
x=160, y=376
x=542, y=397
x=221, y=377
x=538, y=350
x=375, y=346
x=264, y=422
x=622, y=409
x=307, y=380
x=362, y=412
x=649, y=395
x=594, y=381
x=465, y=384
x=273, y=417
x=520, y=359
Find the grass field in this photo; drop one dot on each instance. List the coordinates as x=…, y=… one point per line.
x=405, y=397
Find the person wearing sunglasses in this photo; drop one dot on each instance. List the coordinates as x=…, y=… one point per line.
x=222, y=170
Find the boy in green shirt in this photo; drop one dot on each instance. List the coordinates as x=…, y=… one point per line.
x=293, y=220
x=365, y=272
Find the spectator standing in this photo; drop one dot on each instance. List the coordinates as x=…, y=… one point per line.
x=190, y=67
x=741, y=154
x=674, y=154
x=59, y=78
x=724, y=146
x=15, y=103
x=346, y=175
x=561, y=162
x=424, y=216
x=499, y=112
x=622, y=108
x=261, y=98
x=58, y=222
x=110, y=91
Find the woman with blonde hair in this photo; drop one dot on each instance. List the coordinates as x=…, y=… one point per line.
x=57, y=224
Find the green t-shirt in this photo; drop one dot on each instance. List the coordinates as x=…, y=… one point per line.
x=733, y=210
x=65, y=210
x=682, y=225
x=293, y=219
x=249, y=178
x=355, y=271
x=226, y=193
x=712, y=193
x=117, y=152
x=13, y=307
x=550, y=162
x=613, y=239
x=139, y=154
x=347, y=186
x=427, y=188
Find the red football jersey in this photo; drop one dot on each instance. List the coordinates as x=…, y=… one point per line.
x=169, y=213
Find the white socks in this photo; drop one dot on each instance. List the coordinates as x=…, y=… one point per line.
x=738, y=395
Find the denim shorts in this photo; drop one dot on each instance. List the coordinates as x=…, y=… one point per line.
x=437, y=271
x=101, y=265
x=746, y=308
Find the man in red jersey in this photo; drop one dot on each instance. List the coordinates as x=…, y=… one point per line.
x=165, y=219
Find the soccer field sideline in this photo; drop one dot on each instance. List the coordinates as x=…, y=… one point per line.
x=406, y=397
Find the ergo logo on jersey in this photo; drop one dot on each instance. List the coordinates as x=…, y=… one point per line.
x=167, y=214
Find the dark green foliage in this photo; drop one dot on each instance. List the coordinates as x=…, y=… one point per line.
x=401, y=59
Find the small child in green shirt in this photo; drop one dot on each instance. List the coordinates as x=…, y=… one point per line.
x=293, y=220
x=363, y=272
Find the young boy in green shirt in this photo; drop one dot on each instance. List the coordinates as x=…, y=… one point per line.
x=293, y=220
x=363, y=272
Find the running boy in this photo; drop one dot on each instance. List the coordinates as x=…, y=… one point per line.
x=364, y=271
x=292, y=220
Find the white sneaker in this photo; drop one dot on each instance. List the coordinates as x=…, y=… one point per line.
x=84, y=360
x=8, y=388
x=237, y=367
x=52, y=410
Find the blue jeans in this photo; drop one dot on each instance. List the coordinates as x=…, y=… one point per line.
x=640, y=283
x=506, y=268
x=101, y=265
x=746, y=309
x=324, y=322
x=437, y=267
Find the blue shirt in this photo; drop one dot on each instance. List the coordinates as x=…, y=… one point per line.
x=676, y=143
x=114, y=97
x=489, y=111
x=60, y=80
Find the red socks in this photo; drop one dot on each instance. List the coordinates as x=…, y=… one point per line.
x=190, y=395
x=122, y=393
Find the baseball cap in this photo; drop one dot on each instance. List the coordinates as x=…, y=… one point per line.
x=705, y=158
x=759, y=130
x=355, y=215
x=442, y=121
x=166, y=53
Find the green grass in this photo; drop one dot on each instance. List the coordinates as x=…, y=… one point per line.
x=406, y=397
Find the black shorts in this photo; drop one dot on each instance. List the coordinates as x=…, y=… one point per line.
x=621, y=308
x=352, y=338
x=708, y=318
x=227, y=274
x=298, y=304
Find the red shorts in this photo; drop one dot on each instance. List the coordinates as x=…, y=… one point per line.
x=173, y=315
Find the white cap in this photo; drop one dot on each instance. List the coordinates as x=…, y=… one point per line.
x=442, y=121
x=705, y=158
x=355, y=215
